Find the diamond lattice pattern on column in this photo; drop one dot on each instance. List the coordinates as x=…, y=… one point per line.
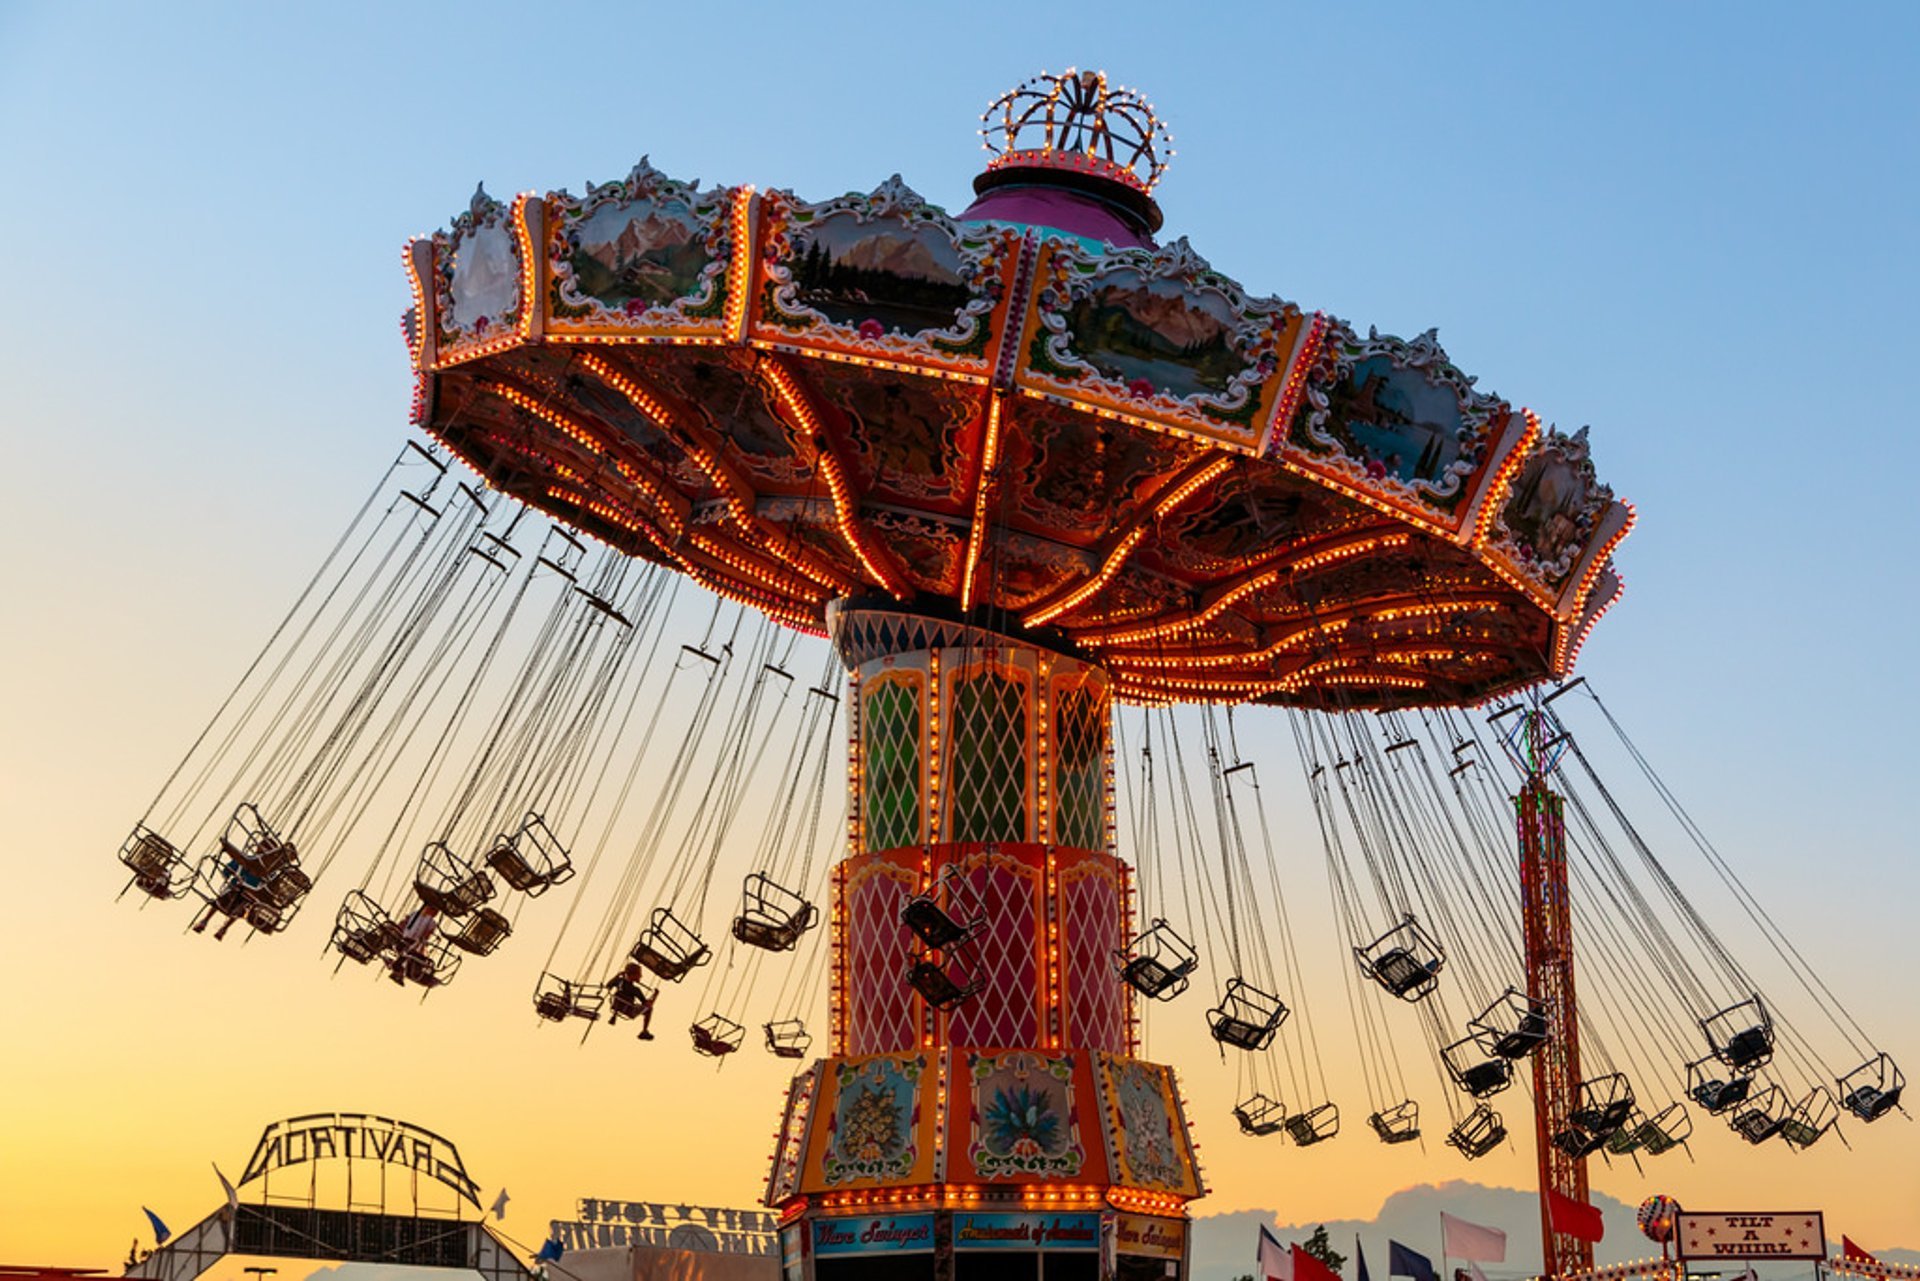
x=881, y=1006
x=1079, y=739
x=1005, y=958
x=891, y=740
x=1090, y=904
x=988, y=764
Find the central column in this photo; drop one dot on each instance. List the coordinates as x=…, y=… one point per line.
x=980, y=775
x=986, y=1118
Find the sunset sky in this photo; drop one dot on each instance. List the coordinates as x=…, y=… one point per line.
x=1692, y=227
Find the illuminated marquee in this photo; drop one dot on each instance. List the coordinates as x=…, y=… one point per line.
x=1797, y=1235
x=359, y=1136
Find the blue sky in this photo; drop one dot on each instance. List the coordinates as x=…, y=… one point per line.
x=1693, y=227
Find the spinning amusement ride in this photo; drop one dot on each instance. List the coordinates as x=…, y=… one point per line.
x=1017, y=465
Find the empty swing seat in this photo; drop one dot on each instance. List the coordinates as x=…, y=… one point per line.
x=1513, y=1027
x=1625, y=1141
x=1259, y=1115
x=286, y=888
x=1713, y=1090
x=1873, y=1089
x=1604, y=1104
x=669, y=948
x=556, y=999
x=1159, y=963
x=788, y=1039
x=939, y=989
x=362, y=930
x=1397, y=1124
x=1741, y=1036
x=1480, y=1133
x=1760, y=1117
x=771, y=916
x=1665, y=1130
x=160, y=870
x=1578, y=1143
x=717, y=1036
x=482, y=932
x=950, y=925
x=1478, y=1075
x=532, y=860
x=1315, y=1125
x=1810, y=1118
x=1405, y=960
x=449, y=884
x=1246, y=1017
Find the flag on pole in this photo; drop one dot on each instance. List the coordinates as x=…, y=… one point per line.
x=160, y=1232
x=1569, y=1216
x=500, y=1205
x=550, y=1250
x=233, y=1194
x=1464, y=1240
x=1848, y=1250
x=1360, y=1259
x=1402, y=1262
x=1275, y=1260
x=1308, y=1268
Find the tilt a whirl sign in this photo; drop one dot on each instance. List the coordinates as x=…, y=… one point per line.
x=1797, y=1235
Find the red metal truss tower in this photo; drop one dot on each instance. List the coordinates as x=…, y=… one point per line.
x=1548, y=921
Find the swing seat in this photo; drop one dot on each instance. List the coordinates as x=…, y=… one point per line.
x=930, y=922
x=669, y=948
x=1397, y=1124
x=1479, y=1076
x=1810, y=1118
x=1315, y=1125
x=1578, y=1143
x=1873, y=1089
x=362, y=930
x=532, y=860
x=1870, y=1104
x=788, y=1039
x=1755, y=1125
x=1259, y=1115
x=1523, y=1040
x=556, y=999
x=1513, y=1027
x=1486, y=1078
x=265, y=917
x=717, y=1036
x=772, y=917
x=449, y=884
x=1246, y=1017
x=1741, y=1036
x=936, y=987
x=1605, y=1103
x=1159, y=964
x=159, y=870
x=1480, y=1133
x=1665, y=1130
x=286, y=887
x=1625, y=1141
x=482, y=932
x=1405, y=960
x=430, y=962
x=1712, y=1090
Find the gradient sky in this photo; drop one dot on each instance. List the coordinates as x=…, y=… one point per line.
x=1691, y=226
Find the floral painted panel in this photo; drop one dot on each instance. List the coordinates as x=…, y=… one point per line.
x=1023, y=1116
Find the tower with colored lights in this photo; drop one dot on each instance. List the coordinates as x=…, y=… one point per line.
x=1017, y=463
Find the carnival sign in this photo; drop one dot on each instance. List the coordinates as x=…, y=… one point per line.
x=359, y=1136
x=605, y=1224
x=1800, y=1234
x=1026, y=1232
x=879, y=1234
x=1154, y=1238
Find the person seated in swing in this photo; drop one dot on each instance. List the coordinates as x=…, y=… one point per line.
x=238, y=886
x=410, y=958
x=632, y=999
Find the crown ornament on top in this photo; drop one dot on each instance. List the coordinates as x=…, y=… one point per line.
x=1077, y=120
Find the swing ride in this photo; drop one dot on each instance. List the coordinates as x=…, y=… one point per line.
x=1016, y=465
